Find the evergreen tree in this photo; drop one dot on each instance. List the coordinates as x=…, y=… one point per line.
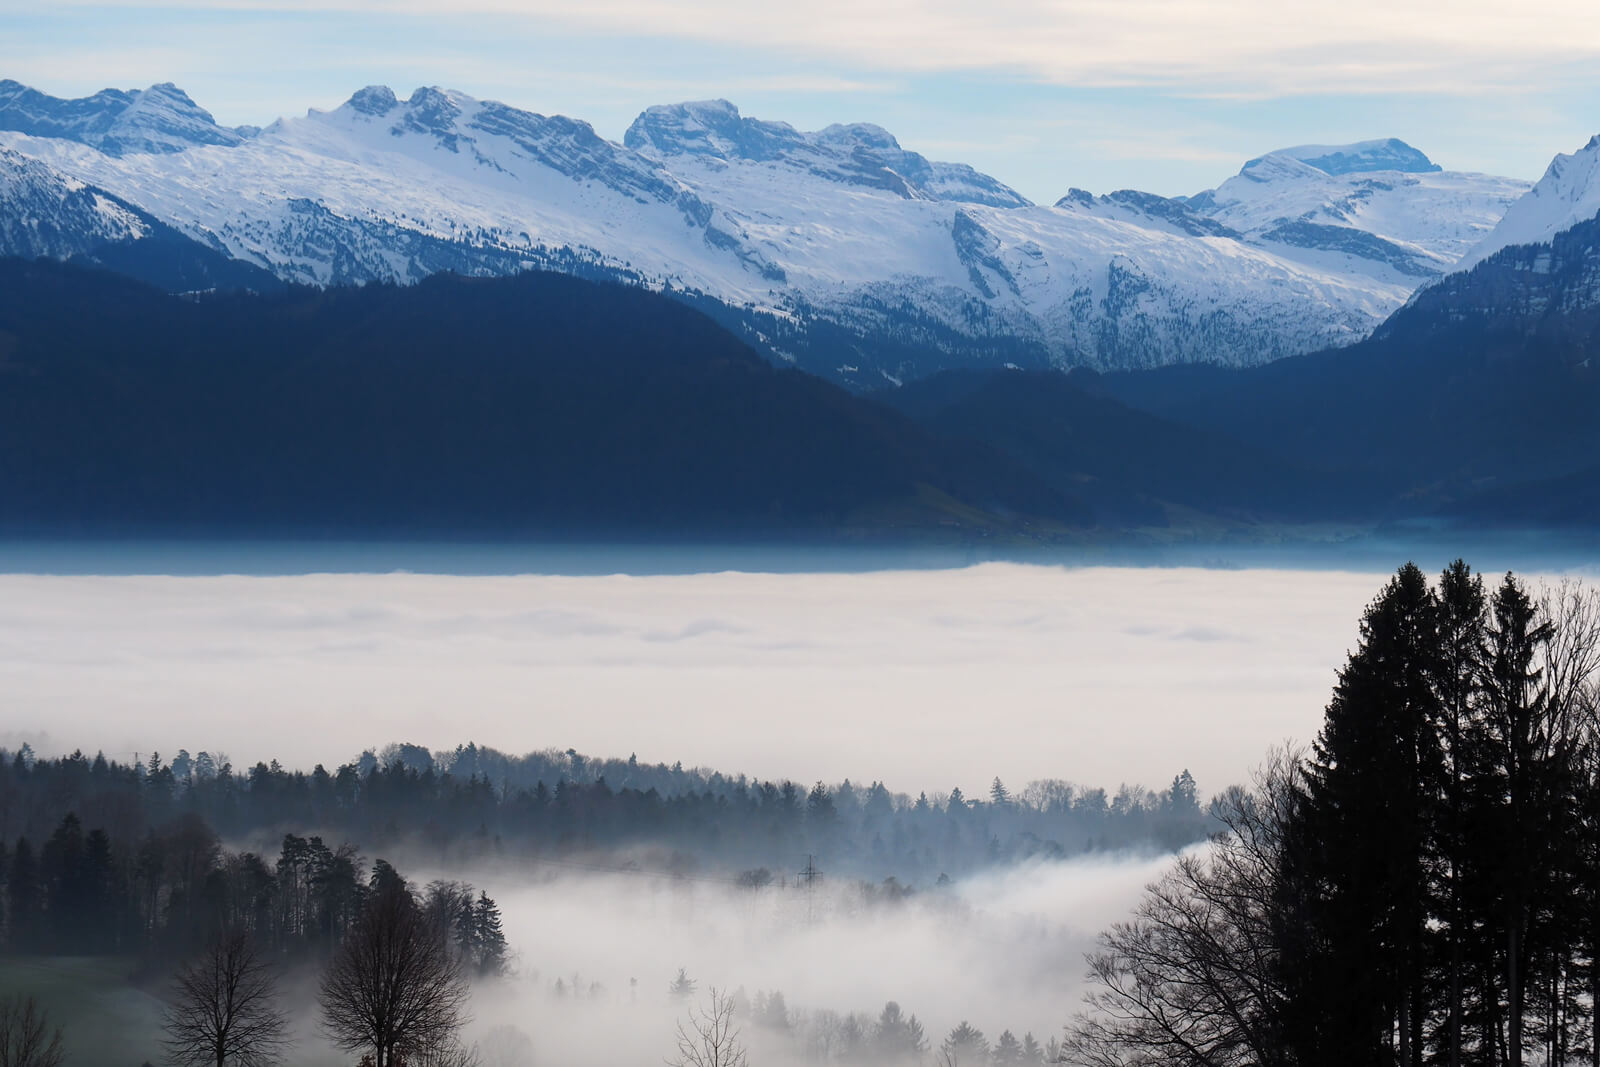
x=896, y=1036
x=491, y=939
x=1183, y=798
x=682, y=987
x=1522, y=762
x=22, y=899
x=1458, y=668
x=773, y=1012
x=1356, y=978
x=965, y=1046
x=1007, y=1050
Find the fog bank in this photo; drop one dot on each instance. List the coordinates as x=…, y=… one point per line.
x=1003, y=951
x=924, y=679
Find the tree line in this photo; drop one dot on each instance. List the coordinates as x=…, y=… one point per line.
x=394, y=983
x=475, y=803
x=1421, y=887
x=162, y=896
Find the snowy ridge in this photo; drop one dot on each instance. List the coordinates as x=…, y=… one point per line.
x=855, y=154
x=1568, y=194
x=161, y=118
x=1362, y=157
x=840, y=228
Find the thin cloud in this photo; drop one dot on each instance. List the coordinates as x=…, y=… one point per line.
x=1224, y=46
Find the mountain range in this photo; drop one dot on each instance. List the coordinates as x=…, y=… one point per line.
x=727, y=326
x=837, y=251
x=543, y=405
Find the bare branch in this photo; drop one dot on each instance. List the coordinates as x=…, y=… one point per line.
x=224, y=1008
x=26, y=1039
x=711, y=1037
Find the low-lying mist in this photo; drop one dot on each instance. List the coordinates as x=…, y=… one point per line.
x=596, y=953
x=922, y=679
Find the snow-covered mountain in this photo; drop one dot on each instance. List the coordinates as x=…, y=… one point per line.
x=1381, y=202
x=837, y=249
x=161, y=118
x=1363, y=157
x=712, y=134
x=1568, y=194
x=44, y=213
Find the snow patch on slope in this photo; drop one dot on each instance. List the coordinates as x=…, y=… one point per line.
x=1569, y=193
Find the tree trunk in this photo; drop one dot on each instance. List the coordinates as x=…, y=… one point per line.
x=1594, y=1015
x=1514, y=995
x=1455, y=991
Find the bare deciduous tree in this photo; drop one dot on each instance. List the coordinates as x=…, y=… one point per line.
x=26, y=1039
x=711, y=1037
x=224, y=1008
x=445, y=1052
x=1190, y=978
x=394, y=987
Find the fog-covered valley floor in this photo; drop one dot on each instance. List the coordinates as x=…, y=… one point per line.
x=922, y=679
x=1001, y=951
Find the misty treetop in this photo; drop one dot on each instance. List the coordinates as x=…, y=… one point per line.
x=1421, y=887
x=473, y=803
x=166, y=895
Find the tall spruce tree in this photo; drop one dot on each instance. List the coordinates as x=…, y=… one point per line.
x=1507, y=794
x=1359, y=994
x=1457, y=684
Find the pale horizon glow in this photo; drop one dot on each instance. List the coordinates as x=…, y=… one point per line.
x=922, y=679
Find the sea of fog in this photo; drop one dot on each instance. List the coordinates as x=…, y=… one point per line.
x=924, y=679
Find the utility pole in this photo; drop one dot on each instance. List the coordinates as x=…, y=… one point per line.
x=810, y=875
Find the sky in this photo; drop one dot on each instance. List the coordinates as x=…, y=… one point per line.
x=1168, y=96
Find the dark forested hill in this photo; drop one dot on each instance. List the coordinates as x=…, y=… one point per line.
x=1133, y=467
x=531, y=405
x=1480, y=396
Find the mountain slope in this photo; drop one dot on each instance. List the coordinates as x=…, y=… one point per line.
x=914, y=264
x=44, y=213
x=1134, y=468
x=530, y=406
x=1568, y=194
x=1485, y=380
